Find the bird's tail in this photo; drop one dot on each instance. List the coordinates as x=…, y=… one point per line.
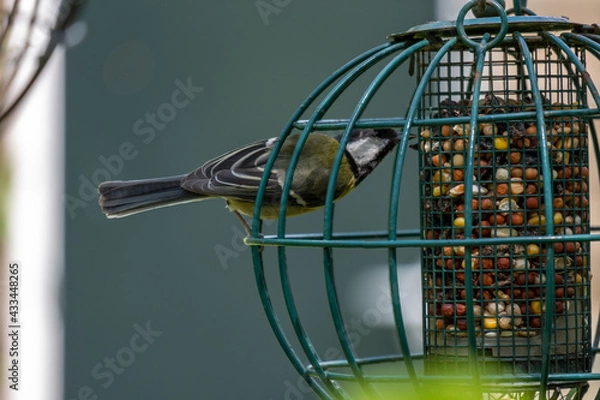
x=123, y=198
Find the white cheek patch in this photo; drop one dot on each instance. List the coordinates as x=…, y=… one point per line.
x=364, y=150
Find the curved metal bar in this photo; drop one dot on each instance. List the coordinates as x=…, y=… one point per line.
x=284, y=343
x=257, y=254
x=590, y=45
x=318, y=113
x=549, y=211
x=395, y=192
x=577, y=63
x=328, y=217
x=480, y=54
x=290, y=124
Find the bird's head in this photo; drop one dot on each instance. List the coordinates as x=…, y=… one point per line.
x=367, y=147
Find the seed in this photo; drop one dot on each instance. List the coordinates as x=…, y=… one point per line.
x=487, y=204
x=557, y=218
x=532, y=203
x=515, y=157
x=487, y=129
x=459, y=250
x=477, y=310
x=459, y=222
x=437, y=160
x=516, y=186
x=533, y=249
x=503, y=263
x=458, y=175
x=490, y=322
x=461, y=324
x=426, y=134
x=497, y=219
x=487, y=279
x=537, y=219
x=520, y=279
x=520, y=264
x=559, y=247
x=460, y=144
x=446, y=130
x=440, y=323
x=531, y=173
x=485, y=231
x=501, y=189
x=535, y=307
x=504, y=322
x=458, y=160
x=447, y=310
x=457, y=190
x=501, y=295
x=461, y=309
x=532, y=130
x=461, y=130
x=487, y=263
x=502, y=174
x=517, y=219
x=507, y=204
x=516, y=172
x=558, y=202
x=501, y=143
x=442, y=177
x=516, y=310
x=495, y=308
x=505, y=232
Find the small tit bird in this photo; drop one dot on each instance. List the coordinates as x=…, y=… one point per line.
x=236, y=176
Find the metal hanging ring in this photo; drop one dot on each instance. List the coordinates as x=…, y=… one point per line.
x=524, y=11
x=460, y=24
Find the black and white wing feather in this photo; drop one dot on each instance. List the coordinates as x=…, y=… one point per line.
x=235, y=174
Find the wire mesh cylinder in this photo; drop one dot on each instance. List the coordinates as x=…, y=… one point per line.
x=509, y=290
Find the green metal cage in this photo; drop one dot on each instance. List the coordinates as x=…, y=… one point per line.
x=503, y=113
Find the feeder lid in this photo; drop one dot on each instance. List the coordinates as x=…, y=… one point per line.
x=480, y=26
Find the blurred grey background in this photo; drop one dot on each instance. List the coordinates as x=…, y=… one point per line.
x=164, y=304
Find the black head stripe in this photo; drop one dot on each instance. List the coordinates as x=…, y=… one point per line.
x=353, y=166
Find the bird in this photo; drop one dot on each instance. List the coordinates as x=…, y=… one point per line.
x=236, y=176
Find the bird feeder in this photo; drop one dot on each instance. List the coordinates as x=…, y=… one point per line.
x=502, y=112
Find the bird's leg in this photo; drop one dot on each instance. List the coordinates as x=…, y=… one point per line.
x=243, y=221
x=247, y=227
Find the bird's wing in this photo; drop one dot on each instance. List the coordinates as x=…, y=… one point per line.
x=235, y=174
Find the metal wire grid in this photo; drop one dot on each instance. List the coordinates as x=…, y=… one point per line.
x=509, y=280
x=325, y=377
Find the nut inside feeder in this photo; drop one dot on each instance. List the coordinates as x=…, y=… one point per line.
x=506, y=203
